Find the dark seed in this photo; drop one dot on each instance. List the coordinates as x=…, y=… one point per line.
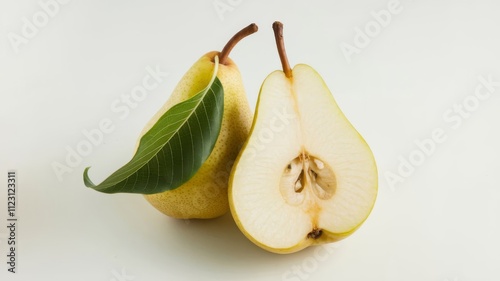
x=314, y=174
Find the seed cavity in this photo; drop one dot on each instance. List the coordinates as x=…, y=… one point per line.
x=306, y=174
x=314, y=175
x=298, y=185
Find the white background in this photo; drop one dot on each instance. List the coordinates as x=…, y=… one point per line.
x=441, y=223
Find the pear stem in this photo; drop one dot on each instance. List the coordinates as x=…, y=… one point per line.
x=280, y=43
x=250, y=29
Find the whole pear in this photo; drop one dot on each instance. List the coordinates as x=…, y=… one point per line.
x=205, y=194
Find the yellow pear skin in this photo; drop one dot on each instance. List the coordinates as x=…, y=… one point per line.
x=205, y=194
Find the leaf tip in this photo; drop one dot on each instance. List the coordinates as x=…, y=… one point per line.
x=86, y=179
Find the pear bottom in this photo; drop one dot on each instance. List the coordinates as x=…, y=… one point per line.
x=193, y=200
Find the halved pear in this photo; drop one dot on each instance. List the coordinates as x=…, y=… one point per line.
x=305, y=176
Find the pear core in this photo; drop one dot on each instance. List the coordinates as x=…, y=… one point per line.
x=304, y=175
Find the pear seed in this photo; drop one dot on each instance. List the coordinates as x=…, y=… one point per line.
x=319, y=164
x=298, y=186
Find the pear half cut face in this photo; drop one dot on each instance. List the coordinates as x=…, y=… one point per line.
x=305, y=175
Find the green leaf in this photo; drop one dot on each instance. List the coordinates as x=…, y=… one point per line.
x=173, y=150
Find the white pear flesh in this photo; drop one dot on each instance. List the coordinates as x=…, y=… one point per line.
x=305, y=176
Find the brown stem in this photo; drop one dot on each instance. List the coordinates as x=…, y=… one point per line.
x=280, y=43
x=252, y=28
